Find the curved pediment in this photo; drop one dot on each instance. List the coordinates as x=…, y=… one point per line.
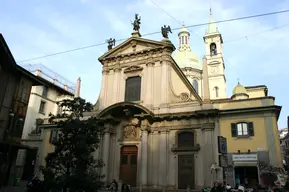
x=132, y=69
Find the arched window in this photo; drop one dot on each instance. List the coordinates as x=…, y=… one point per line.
x=217, y=91
x=186, y=139
x=133, y=89
x=182, y=39
x=213, y=49
x=186, y=40
x=195, y=85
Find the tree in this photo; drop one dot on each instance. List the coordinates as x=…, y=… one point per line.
x=71, y=167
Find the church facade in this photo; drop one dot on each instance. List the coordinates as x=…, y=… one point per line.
x=162, y=130
x=164, y=113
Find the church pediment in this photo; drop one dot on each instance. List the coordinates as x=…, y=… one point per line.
x=135, y=45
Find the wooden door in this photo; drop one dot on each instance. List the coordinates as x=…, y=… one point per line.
x=128, y=165
x=186, y=172
x=28, y=171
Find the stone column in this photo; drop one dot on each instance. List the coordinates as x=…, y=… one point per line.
x=149, y=85
x=155, y=156
x=116, y=84
x=144, y=152
x=163, y=158
x=105, y=153
x=172, y=160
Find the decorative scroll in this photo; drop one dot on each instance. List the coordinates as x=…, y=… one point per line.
x=129, y=132
x=133, y=69
x=184, y=96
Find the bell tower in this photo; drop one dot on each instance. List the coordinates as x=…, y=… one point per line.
x=214, y=56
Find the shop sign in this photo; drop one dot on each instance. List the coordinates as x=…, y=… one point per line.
x=245, y=157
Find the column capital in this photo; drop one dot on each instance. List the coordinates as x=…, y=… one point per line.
x=118, y=69
x=150, y=64
x=105, y=71
x=145, y=125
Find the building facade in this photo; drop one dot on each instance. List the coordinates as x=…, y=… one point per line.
x=44, y=100
x=15, y=86
x=249, y=123
x=164, y=114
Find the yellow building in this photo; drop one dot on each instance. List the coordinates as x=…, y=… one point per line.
x=167, y=112
x=248, y=120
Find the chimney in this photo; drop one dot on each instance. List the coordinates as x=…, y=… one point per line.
x=65, y=87
x=38, y=72
x=77, y=89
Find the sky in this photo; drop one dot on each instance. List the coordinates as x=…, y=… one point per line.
x=253, y=52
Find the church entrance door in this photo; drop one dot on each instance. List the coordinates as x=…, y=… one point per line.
x=128, y=165
x=186, y=171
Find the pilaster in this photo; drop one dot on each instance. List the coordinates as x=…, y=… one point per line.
x=103, y=90
x=116, y=84
x=149, y=85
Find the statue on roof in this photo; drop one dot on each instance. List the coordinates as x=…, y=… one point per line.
x=111, y=43
x=136, y=23
x=165, y=30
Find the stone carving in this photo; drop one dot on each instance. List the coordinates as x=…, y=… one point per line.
x=111, y=43
x=165, y=31
x=184, y=97
x=129, y=132
x=133, y=69
x=136, y=23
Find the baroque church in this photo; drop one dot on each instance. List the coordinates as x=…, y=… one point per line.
x=162, y=112
x=162, y=128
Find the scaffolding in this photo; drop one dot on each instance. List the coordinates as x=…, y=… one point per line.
x=51, y=76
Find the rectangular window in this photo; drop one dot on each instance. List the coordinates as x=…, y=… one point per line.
x=133, y=89
x=124, y=159
x=242, y=129
x=133, y=159
x=44, y=92
x=53, y=136
x=42, y=107
x=25, y=94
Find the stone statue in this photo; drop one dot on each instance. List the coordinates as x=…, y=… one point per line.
x=111, y=43
x=136, y=23
x=166, y=30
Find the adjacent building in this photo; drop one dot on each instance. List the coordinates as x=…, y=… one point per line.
x=44, y=100
x=167, y=113
x=15, y=87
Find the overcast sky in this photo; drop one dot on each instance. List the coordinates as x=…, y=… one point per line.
x=35, y=28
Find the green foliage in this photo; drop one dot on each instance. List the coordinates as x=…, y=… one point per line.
x=71, y=167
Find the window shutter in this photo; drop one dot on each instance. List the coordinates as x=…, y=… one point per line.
x=234, y=129
x=251, y=128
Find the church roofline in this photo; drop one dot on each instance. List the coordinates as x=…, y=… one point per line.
x=226, y=100
x=274, y=108
x=186, y=81
x=161, y=44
